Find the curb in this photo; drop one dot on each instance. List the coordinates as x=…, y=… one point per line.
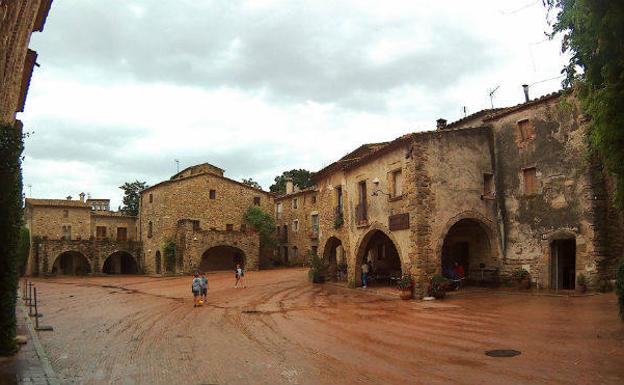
x=45, y=362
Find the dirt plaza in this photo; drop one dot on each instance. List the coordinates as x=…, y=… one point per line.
x=282, y=329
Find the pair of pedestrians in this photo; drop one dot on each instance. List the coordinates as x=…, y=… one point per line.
x=199, y=287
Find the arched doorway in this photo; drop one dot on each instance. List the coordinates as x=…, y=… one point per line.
x=563, y=264
x=220, y=258
x=333, y=252
x=158, y=262
x=467, y=243
x=71, y=263
x=120, y=262
x=382, y=256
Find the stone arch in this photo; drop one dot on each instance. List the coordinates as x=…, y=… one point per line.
x=222, y=257
x=71, y=262
x=120, y=262
x=333, y=247
x=392, y=267
x=469, y=239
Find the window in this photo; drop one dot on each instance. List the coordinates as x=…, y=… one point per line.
x=339, y=199
x=122, y=234
x=295, y=252
x=525, y=130
x=488, y=185
x=279, y=210
x=313, y=199
x=296, y=225
x=257, y=201
x=66, y=233
x=530, y=180
x=100, y=232
x=315, y=223
x=151, y=198
x=149, y=229
x=294, y=203
x=213, y=194
x=361, y=207
x=397, y=183
x=65, y=213
x=229, y=227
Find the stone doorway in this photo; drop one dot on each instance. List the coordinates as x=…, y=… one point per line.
x=383, y=259
x=120, y=262
x=563, y=264
x=220, y=258
x=467, y=244
x=71, y=263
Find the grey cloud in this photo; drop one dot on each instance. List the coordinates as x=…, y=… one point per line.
x=293, y=55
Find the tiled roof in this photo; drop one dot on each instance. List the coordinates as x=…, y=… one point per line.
x=521, y=106
x=56, y=202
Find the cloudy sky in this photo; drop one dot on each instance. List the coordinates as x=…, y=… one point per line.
x=259, y=87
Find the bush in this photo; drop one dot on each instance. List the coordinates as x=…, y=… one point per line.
x=406, y=282
x=619, y=287
x=581, y=280
x=263, y=223
x=520, y=274
x=318, y=270
x=438, y=286
x=23, y=249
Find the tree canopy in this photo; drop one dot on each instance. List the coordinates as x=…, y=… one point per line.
x=251, y=182
x=300, y=177
x=263, y=223
x=131, y=196
x=593, y=33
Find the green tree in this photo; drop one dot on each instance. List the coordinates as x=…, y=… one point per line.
x=131, y=197
x=263, y=223
x=300, y=177
x=11, y=147
x=252, y=183
x=593, y=32
x=23, y=248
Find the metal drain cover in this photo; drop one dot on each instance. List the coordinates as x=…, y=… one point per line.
x=502, y=353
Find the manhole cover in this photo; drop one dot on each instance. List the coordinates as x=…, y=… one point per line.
x=502, y=353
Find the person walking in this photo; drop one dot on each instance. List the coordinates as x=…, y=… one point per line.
x=196, y=288
x=204, y=286
x=364, y=275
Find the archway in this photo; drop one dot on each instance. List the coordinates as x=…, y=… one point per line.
x=71, y=263
x=120, y=262
x=332, y=252
x=382, y=256
x=468, y=244
x=158, y=262
x=563, y=264
x=222, y=258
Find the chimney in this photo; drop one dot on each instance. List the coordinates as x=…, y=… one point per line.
x=289, y=185
x=82, y=196
x=525, y=87
x=441, y=124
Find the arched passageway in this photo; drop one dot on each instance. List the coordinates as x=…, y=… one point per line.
x=467, y=247
x=220, y=258
x=333, y=255
x=120, y=262
x=382, y=256
x=71, y=263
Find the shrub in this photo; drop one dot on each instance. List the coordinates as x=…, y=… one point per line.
x=438, y=286
x=263, y=223
x=318, y=270
x=619, y=287
x=520, y=274
x=581, y=280
x=406, y=282
x=23, y=249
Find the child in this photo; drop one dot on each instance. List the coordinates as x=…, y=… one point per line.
x=196, y=288
x=204, y=286
x=240, y=276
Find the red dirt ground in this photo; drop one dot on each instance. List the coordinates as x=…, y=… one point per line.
x=283, y=330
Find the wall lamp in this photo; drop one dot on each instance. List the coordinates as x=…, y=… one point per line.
x=378, y=191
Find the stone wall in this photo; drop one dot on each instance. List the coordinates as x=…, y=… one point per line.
x=48, y=221
x=168, y=202
x=112, y=221
x=303, y=241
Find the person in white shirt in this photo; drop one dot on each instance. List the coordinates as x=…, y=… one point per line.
x=364, y=275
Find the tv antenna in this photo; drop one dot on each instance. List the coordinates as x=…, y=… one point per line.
x=492, y=96
x=177, y=164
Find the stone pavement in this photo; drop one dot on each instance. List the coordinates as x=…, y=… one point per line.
x=30, y=365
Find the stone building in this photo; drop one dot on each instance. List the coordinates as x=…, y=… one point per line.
x=297, y=224
x=79, y=237
x=201, y=212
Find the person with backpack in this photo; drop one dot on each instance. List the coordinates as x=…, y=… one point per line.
x=196, y=288
x=204, y=286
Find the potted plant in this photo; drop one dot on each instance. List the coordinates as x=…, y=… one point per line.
x=581, y=283
x=318, y=270
x=405, y=285
x=522, y=278
x=438, y=286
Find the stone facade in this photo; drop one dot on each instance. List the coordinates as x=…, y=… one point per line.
x=18, y=19
x=59, y=226
x=199, y=194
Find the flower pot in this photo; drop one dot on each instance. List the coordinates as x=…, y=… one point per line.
x=524, y=284
x=405, y=294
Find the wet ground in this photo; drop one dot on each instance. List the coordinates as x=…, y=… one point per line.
x=283, y=330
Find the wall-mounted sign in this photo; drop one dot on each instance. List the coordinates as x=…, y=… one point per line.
x=398, y=222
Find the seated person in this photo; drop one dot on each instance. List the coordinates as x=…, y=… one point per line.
x=459, y=271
